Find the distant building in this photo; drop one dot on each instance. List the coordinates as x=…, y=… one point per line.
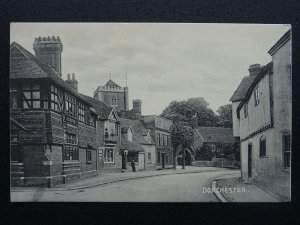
x=160, y=131
x=216, y=138
x=53, y=127
x=262, y=119
x=113, y=95
x=137, y=140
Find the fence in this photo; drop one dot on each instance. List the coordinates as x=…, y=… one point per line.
x=216, y=162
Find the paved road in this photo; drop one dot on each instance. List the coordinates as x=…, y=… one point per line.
x=167, y=188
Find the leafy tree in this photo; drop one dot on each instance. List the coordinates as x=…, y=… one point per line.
x=182, y=136
x=186, y=109
x=225, y=116
x=204, y=153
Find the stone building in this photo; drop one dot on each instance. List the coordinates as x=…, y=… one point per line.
x=263, y=122
x=160, y=131
x=53, y=133
x=113, y=95
x=137, y=140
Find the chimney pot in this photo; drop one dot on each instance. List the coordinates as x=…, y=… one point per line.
x=68, y=76
x=254, y=69
x=73, y=76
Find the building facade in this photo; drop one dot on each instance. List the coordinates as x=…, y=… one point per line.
x=108, y=137
x=161, y=133
x=58, y=138
x=263, y=118
x=113, y=95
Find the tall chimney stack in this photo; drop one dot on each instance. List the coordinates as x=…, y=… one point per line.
x=73, y=83
x=137, y=108
x=254, y=69
x=49, y=51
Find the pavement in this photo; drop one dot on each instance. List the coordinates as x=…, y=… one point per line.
x=232, y=190
x=107, y=178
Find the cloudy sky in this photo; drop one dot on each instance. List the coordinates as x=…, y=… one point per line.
x=164, y=62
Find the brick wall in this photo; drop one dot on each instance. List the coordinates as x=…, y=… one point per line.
x=57, y=128
x=56, y=158
x=86, y=134
x=84, y=166
x=33, y=161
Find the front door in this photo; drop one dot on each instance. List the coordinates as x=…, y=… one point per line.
x=141, y=161
x=100, y=160
x=163, y=156
x=250, y=160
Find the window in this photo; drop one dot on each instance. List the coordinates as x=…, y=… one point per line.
x=158, y=157
x=168, y=141
x=158, y=138
x=81, y=112
x=163, y=139
x=117, y=129
x=213, y=147
x=88, y=156
x=71, y=138
x=262, y=146
x=256, y=96
x=109, y=155
x=90, y=120
x=31, y=95
x=114, y=101
x=245, y=110
x=71, y=153
x=287, y=151
x=13, y=97
x=70, y=105
x=149, y=156
x=167, y=159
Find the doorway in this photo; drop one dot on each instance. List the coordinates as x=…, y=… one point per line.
x=163, y=156
x=249, y=160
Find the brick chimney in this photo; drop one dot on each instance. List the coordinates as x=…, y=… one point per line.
x=48, y=49
x=72, y=82
x=137, y=108
x=254, y=69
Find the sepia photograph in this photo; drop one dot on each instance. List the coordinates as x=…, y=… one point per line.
x=150, y=112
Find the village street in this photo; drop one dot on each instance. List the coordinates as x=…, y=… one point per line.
x=186, y=187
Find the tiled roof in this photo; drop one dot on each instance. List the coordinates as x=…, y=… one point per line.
x=138, y=130
x=128, y=114
x=242, y=89
x=216, y=134
x=102, y=110
x=111, y=83
x=24, y=65
x=131, y=146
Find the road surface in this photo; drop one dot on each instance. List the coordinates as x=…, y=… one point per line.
x=168, y=188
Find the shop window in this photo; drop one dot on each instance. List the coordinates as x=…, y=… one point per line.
x=109, y=155
x=287, y=151
x=262, y=146
x=88, y=156
x=158, y=138
x=71, y=153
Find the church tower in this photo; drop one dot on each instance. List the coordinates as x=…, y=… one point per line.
x=48, y=49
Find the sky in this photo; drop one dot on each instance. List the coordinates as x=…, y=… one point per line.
x=163, y=61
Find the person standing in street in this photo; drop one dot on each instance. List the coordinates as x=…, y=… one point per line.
x=133, y=165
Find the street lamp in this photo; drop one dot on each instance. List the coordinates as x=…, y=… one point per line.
x=125, y=159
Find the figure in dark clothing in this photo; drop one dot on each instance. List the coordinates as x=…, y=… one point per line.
x=133, y=166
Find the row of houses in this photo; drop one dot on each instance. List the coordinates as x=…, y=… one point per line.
x=59, y=134
x=262, y=121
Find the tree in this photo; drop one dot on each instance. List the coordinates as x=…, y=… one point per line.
x=225, y=115
x=186, y=109
x=182, y=135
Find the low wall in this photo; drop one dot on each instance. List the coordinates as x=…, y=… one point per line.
x=202, y=163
